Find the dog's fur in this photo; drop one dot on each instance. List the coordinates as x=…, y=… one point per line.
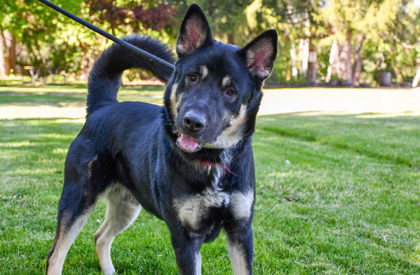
x=189, y=163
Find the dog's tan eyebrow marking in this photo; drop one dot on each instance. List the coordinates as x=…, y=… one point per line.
x=204, y=71
x=227, y=80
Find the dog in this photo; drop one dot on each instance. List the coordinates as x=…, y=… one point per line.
x=190, y=162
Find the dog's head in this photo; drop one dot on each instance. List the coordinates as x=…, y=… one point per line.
x=215, y=92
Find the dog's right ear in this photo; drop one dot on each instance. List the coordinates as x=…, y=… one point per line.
x=195, y=31
x=260, y=54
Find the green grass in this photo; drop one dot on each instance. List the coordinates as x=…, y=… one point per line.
x=336, y=194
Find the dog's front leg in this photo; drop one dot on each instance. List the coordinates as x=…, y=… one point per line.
x=240, y=245
x=187, y=252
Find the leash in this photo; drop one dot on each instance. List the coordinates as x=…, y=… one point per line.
x=133, y=48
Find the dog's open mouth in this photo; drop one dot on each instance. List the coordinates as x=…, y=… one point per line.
x=188, y=143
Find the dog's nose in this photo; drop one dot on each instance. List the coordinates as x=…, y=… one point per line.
x=194, y=122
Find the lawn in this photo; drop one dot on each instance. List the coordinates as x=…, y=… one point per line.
x=336, y=194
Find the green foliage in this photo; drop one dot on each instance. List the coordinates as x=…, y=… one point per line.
x=389, y=30
x=133, y=16
x=37, y=28
x=53, y=42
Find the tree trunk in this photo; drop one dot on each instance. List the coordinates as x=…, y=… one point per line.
x=333, y=61
x=345, y=67
x=293, y=62
x=85, y=64
x=9, y=52
x=416, y=78
x=358, y=63
x=304, y=45
x=2, y=72
x=231, y=38
x=312, y=62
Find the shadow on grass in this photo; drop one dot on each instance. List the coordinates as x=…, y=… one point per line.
x=72, y=95
x=26, y=99
x=40, y=86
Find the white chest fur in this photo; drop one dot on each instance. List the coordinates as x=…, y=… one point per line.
x=192, y=210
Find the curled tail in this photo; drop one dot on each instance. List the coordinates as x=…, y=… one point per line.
x=105, y=76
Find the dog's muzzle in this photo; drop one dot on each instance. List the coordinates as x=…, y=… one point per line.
x=192, y=123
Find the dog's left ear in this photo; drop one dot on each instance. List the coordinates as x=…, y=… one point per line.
x=195, y=31
x=260, y=54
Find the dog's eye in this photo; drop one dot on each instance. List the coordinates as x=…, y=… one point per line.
x=230, y=92
x=193, y=77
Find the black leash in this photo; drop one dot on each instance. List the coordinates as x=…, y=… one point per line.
x=110, y=36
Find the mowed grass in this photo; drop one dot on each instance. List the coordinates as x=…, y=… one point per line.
x=336, y=194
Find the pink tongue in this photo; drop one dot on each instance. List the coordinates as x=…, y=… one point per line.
x=188, y=143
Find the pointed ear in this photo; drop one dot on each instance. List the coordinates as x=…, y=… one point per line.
x=260, y=54
x=195, y=31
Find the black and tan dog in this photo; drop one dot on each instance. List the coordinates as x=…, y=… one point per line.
x=189, y=163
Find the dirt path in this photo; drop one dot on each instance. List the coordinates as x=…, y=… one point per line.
x=307, y=101
x=342, y=101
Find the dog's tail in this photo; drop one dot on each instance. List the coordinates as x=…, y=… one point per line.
x=105, y=76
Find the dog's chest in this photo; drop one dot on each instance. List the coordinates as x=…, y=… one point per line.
x=204, y=210
x=195, y=211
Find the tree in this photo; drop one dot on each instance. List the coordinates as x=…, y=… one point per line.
x=48, y=40
x=355, y=23
x=34, y=27
x=7, y=52
x=136, y=15
x=347, y=39
x=299, y=31
x=397, y=41
x=355, y=33
x=9, y=22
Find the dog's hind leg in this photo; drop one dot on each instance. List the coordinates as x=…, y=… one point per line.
x=80, y=192
x=122, y=210
x=67, y=230
x=74, y=210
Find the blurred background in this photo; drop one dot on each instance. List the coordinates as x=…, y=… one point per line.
x=362, y=43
